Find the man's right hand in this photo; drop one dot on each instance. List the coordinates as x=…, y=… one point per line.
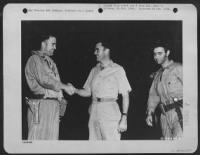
x=149, y=120
x=69, y=89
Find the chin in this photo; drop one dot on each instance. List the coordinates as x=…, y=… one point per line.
x=158, y=62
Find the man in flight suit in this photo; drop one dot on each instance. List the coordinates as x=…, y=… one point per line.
x=166, y=92
x=105, y=81
x=47, y=102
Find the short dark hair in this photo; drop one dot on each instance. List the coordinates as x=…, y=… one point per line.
x=161, y=43
x=105, y=43
x=39, y=39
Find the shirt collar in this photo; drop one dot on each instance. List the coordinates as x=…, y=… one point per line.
x=38, y=53
x=168, y=65
x=110, y=64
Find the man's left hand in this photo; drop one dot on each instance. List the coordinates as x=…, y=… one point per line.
x=122, y=124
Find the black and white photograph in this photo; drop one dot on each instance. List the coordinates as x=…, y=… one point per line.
x=135, y=48
x=103, y=80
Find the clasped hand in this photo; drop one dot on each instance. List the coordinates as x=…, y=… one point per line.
x=69, y=89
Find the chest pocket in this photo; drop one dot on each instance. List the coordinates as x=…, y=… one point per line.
x=173, y=83
x=110, y=83
x=49, y=70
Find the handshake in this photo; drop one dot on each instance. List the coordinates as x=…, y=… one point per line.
x=69, y=89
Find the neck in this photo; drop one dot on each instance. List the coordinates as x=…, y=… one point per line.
x=166, y=63
x=105, y=62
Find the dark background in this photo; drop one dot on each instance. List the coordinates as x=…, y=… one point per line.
x=130, y=42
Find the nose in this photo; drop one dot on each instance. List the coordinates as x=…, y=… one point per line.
x=55, y=47
x=95, y=52
x=155, y=56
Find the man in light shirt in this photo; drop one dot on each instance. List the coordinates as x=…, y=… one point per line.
x=105, y=81
x=47, y=102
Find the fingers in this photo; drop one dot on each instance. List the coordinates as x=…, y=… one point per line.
x=149, y=121
x=69, y=89
x=122, y=128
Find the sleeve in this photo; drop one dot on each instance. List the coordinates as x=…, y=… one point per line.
x=42, y=76
x=179, y=73
x=153, y=99
x=123, y=83
x=88, y=83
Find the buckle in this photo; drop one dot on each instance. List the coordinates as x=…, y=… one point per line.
x=99, y=100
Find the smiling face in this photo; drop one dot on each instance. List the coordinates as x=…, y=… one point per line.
x=100, y=52
x=160, y=55
x=49, y=46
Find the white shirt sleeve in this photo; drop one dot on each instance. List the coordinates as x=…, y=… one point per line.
x=123, y=82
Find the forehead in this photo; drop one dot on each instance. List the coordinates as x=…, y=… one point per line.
x=52, y=40
x=158, y=49
x=99, y=45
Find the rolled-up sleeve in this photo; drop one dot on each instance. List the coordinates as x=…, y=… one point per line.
x=42, y=76
x=123, y=82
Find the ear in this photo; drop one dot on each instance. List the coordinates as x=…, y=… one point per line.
x=107, y=51
x=168, y=52
x=43, y=44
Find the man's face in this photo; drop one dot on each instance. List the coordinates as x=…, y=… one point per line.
x=99, y=52
x=50, y=46
x=160, y=56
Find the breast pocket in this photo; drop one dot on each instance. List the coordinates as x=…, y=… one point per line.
x=110, y=83
x=174, y=85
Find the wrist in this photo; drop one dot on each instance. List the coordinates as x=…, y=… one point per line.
x=62, y=86
x=124, y=116
x=149, y=113
x=76, y=91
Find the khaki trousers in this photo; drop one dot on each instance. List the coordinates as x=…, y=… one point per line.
x=170, y=125
x=48, y=126
x=104, y=120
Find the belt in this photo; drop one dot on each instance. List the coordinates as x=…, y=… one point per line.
x=41, y=96
x=104, y=99
x=175, y=105
x=50, y=98
x=166, y=108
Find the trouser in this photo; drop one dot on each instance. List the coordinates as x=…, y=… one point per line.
x=170, y=125
x=47, y=126
x=104, y=121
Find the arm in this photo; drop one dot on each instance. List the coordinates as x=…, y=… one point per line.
x=83, y=92
x=152, y=103
x=124, y=89
x=125, y=106
x=43, y=77
x=37, y=69
x=179, y=73
x=86, y=91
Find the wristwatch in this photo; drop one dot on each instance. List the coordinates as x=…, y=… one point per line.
x=125, y=114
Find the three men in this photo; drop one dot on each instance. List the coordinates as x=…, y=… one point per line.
x=167, y=93
x=105, y=81
x=47, y=102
